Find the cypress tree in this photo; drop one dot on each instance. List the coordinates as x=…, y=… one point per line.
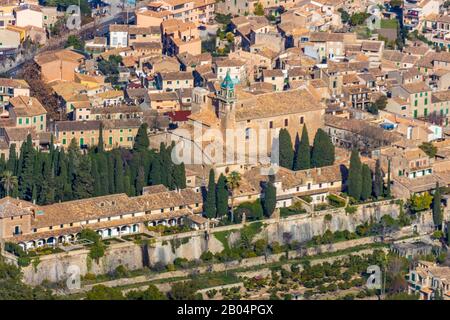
x=101, y=144
x=140, y=180
x=111, y=173
x=26, y=160
x=387, y=192
x=155, y=172
x=164, y=172
x=96, y=176
x=11, y=165
x=366, y=189
x=128, y=186
x=302, y=157
x=221, y=197
x=448, y=233
x=286, y=151
x=83, y=184
x=354, y=182
x=210, y=202
x=118, y=173
x=179, y=174
x=378, y=181
x=102, y=168
x=141, y=142
x=437, y=212
x=270, y=199
x=322, y=151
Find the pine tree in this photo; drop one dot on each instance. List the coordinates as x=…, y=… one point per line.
x=322, y=151
x=302, y=157
x=210, y=202
x=437, y=212
x=354, y=182
x=118, y=173
x=378, y=181
x=221, y=197
x=366, y=188
x=286, y=151
x=141, y=143
x=83, y=184
x=270, y=199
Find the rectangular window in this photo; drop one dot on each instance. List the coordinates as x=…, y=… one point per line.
x=286, y=122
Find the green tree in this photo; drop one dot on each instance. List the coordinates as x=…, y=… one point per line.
x=378, y=181
x=221, y=197
x=118, y=173
x=233, y=182
x=8, y=181
x=354, y=181
x=102, y=292
x=429, y=149
x=141, y=143
x=437, y=211
x=140, y=180
x=366, y=188
x=83, y=184
x=302, y=155
x=285, y=149
x=76, y=42
x=322, y=150
x=101, y=144
x=270, y=199
x=151, y=293
x=183, y=290
x=387, y=191
x=155, y=172
x=210, y=202
x=421, y=202
x=259, y=9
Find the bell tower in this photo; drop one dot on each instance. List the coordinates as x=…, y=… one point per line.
x=226, y=98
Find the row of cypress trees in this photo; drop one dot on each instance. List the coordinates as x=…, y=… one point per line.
x=59, y=175
x=302, y=156
x=216, y=200
x=362, y=184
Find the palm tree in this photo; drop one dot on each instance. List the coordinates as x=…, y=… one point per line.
x=8, y=181
x=233, y=182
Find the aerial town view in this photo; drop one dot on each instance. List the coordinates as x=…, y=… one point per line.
x=225, y=150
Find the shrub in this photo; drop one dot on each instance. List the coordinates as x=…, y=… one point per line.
x=350, y=209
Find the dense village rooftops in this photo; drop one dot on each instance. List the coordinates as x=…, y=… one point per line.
x=27, y=106
x=65, y=54
x=146, y=45
x=416, y=50
x=326, y=37
x=277, y=103
x=117, y=205
x=373, y=46
x=77, y=125
x=19, y=134
x=229, y=63
x=393, y=55
x=14, y=83
x=163, y=96
x=10, y=207
x=116, y=109
x=273, y=73
x=176, y=75
x=362, y=128
x=440, y=96
x=416, y=87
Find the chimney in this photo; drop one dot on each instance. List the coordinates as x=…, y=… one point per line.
x=30, y=102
